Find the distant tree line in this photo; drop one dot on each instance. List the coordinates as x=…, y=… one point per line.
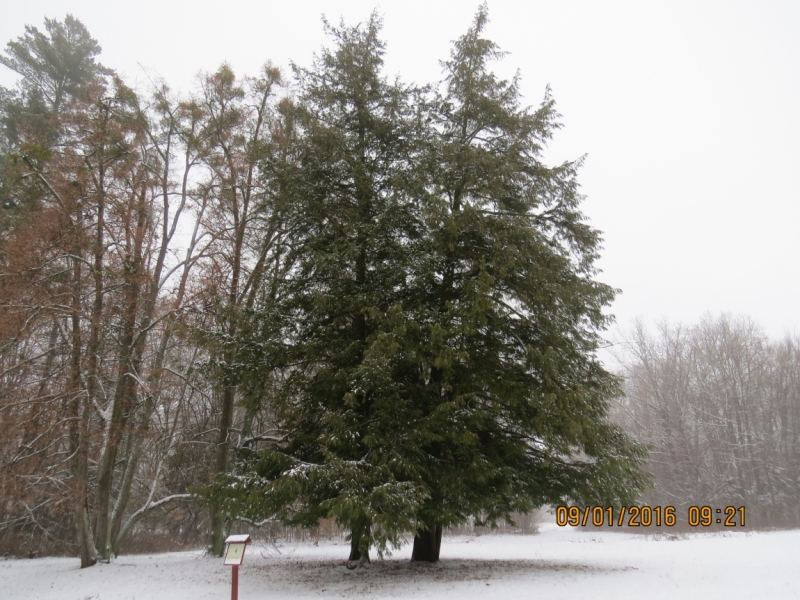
x=718, y=403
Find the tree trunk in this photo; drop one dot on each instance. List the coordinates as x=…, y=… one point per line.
x=357, y=558
x=79, y=414
x=217, y=546
x=133, y=453
x=427, y=543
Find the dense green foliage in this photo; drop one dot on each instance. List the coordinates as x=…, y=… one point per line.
x=436, y=347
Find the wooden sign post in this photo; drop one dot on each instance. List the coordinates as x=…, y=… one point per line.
x=234, y=554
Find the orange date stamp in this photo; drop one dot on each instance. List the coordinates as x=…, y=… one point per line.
x=648, y=516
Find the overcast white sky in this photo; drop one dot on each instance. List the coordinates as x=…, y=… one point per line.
x=689, y=112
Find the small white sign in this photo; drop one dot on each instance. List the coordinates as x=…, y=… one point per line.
x=234, y=554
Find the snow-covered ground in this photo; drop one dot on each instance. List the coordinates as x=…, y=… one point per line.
x=558, y=563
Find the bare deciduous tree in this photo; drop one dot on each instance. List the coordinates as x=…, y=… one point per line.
x=719, y=404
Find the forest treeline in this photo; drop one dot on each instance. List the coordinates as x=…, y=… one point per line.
x=718, y=403
x=282, y=299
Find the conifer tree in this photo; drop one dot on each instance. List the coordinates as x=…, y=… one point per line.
x=54, y=67
x=438, y=345
x=353, y=216
x=57, y=64
x=511, y=397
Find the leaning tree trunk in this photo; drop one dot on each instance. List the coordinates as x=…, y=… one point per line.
x=427, y=543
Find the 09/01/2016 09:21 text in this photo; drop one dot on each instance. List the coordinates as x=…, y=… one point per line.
x=648, y=516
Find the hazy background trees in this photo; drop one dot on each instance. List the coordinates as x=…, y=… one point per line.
x=719, y=405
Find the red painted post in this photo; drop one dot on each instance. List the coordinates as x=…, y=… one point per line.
x=234, y=554
x=235, y=582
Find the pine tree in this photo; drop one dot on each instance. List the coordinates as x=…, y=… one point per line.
x=54, y=68
x=55, y=65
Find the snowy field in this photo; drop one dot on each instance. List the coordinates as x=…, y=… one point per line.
x=558, y=563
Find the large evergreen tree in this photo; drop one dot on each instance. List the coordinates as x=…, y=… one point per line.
x=353, y=220
x=438, y=346
x=506, y=316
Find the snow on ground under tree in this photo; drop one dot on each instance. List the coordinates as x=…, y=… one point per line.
x=558, y=563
